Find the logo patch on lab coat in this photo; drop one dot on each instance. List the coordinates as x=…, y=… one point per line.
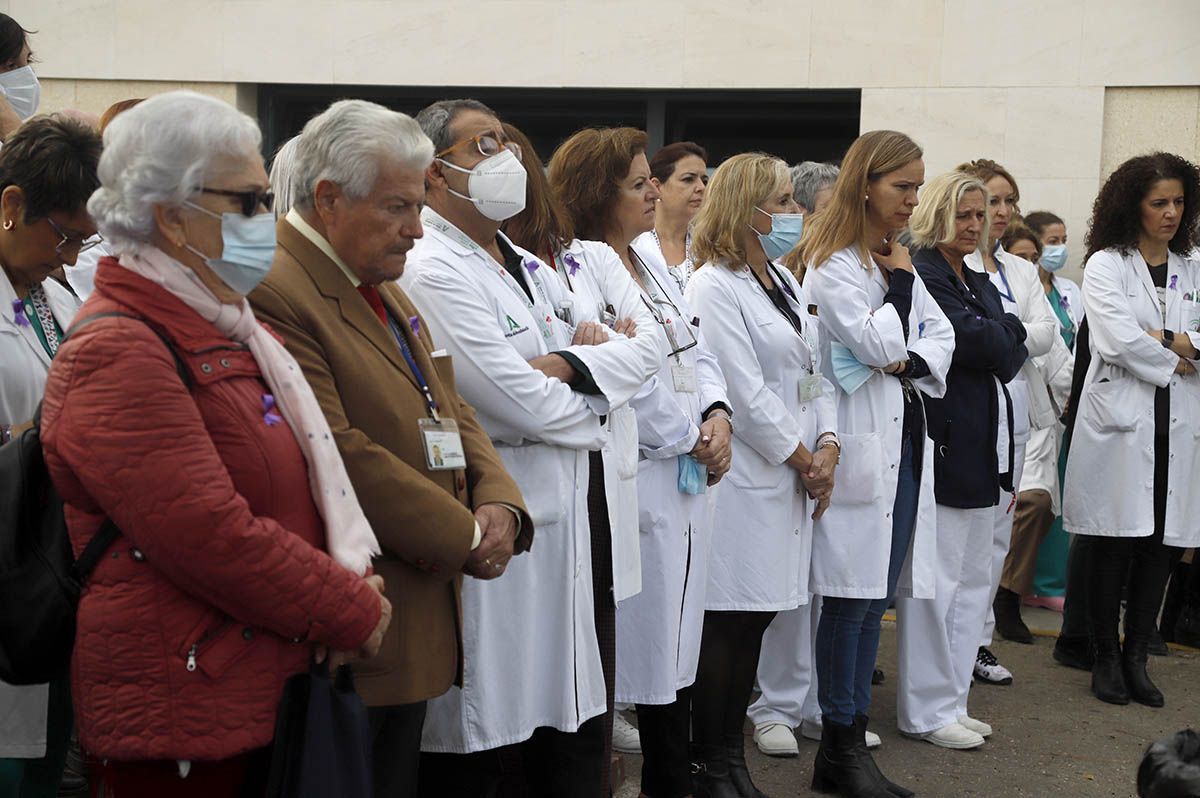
x=513, y=327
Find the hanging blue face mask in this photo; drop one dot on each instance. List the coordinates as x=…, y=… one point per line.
x=785, y=233
x=1054, y=257
x=849, y=373
x=247, y=249
x=693, y=477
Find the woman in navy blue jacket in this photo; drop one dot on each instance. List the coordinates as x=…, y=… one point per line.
x=971, y=427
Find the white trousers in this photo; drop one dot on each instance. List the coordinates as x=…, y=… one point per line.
x=787, y=675
x=938, y=638
x=1004, y=513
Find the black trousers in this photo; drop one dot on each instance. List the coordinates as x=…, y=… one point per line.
x=729, y=647
x=666, y=762
x=396, y=748
x=1076, y=623
x=1146, y=561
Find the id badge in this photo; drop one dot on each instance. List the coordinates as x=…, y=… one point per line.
x=683, y=377
x=810, y=387
x=443, y=444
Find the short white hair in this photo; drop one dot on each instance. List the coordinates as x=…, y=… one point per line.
x=161, y=152
x=283, y=176
x=346, y=143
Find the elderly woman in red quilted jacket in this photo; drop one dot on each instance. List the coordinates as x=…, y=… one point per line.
x=242, y=549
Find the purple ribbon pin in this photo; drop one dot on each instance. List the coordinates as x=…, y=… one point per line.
x=269, y=415
x=19, y=316
x=415, y=323
x=1174, y=280
x=532, y=265
x=572, y=264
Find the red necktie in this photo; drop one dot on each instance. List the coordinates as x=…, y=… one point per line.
x=371, y=294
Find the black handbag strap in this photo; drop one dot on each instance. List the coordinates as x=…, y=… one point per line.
x=108, y=532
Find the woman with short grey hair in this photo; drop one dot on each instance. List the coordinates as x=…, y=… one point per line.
x=812, y=184
x=182, y=435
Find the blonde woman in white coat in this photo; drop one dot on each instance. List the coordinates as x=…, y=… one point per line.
x=881, y=527
x=602, y=180
x=47, y=174
x=756, y=321
x=1134, y=451
x=1021, y=294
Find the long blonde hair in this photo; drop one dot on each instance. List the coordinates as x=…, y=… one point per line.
x=843, y=222
x=739, y=184
x=933, y=221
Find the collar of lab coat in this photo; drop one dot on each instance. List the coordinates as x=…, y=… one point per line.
x=63, y=305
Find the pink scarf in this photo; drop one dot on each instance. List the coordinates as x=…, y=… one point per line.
x=347, y=532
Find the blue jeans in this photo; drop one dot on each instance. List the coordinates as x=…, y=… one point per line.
x=848, y=632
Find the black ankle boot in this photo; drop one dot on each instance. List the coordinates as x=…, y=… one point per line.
x=739, y=774
x=1108, y=681
x=1133, y=667
x=860, y=742
x=710, y=773
x=1010, y=625
x=838, y=767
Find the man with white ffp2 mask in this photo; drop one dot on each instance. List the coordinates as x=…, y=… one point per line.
x=20, y=92
x=540, y=385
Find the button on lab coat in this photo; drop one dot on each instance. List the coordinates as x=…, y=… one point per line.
x=1109, y=488
x=762, y=529
x=531, y=656
x=852, y=541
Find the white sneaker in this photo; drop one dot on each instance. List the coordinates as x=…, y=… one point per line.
x=977, y=726
x=952, y=735
x=989, y=670
x=625, y=736
x=776, y=739
x=811, y=730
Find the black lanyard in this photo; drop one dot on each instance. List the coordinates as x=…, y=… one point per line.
x=783, y=286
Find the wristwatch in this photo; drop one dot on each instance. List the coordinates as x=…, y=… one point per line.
x=1168, y=338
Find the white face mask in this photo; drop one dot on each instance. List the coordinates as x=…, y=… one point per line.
x=496, y=185
x=23, y=91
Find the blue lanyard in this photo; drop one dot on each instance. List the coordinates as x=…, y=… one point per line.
x=1008, y=294
x=412, y=364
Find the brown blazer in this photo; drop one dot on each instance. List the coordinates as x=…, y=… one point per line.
x=424, y=519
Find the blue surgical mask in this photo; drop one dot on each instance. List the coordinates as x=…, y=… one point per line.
x=784, y=235
x=693, y=477
x=847, y=370
x=247, y=249
x=1054, y=257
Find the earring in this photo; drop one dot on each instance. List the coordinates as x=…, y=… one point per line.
x=8, y=224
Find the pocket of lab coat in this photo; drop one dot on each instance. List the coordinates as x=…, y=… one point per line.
x=859, y=476
x=1190, y=315
x=543, y=482
x=1111, y=405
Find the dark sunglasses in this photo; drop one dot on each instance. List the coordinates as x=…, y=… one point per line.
x=250, y=199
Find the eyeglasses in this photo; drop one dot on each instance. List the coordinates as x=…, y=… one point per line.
x=487, y=144
x=250, y=199
x=73, y=242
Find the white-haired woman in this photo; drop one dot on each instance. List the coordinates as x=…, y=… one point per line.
x=812, y=184
x=175, y=415
x=283, y=176
x=973, y=462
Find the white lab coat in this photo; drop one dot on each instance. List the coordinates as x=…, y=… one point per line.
x=1056, y=367
x=531, y=655
x=1110, y=470
x=658, y=630
x=600, y=279
x=680, y=273
x=851, y=542
x=82, y=276
x=1041, y=328
x=23, y=367
x=762, y=530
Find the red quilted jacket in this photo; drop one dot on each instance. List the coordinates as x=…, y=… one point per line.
x=219, y=584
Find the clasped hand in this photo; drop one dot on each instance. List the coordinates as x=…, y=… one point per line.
x=713, y=448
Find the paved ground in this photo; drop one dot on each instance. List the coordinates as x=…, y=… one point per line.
x=1052, y=738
